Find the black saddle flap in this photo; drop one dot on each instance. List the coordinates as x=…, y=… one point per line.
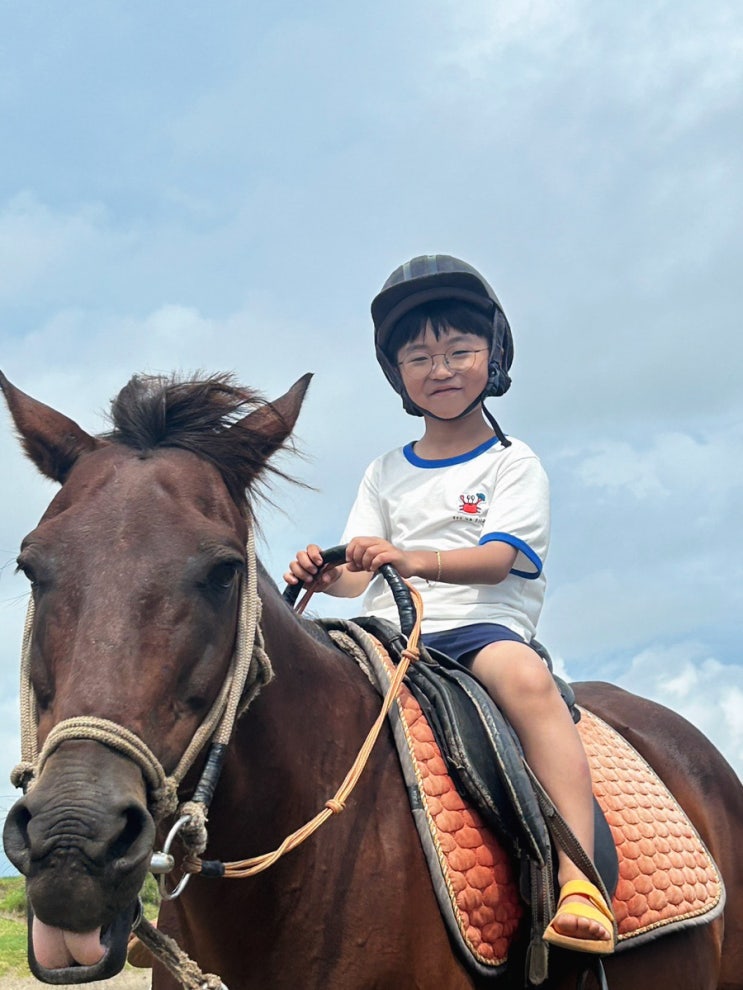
x=481, y=751
x=483, y=756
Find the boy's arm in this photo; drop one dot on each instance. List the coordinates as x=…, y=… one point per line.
x=489, y=563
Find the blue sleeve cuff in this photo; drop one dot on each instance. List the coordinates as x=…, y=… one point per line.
x=523, y=548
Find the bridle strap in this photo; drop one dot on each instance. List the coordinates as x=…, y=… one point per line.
x=248, y=657
x=250, y=669
x=162, y=789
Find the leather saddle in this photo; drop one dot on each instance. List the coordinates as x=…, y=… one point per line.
x=485, y=761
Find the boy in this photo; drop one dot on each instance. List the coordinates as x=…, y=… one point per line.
x=464, y=514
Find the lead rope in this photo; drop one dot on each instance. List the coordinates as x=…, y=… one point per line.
x=167, y=951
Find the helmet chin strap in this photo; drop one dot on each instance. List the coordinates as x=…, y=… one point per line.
x=496, y=429
x=411, y=407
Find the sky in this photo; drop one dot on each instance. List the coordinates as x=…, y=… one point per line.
x=226, y=187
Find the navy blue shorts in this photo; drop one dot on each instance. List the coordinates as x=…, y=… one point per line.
x=462, y=644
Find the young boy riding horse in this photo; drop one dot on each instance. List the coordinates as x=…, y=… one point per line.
x=463, y=513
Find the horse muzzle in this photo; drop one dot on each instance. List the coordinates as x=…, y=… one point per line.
x=82, y=836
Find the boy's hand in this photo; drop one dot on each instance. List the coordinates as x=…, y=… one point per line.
x=305, y=569
x=369, y=553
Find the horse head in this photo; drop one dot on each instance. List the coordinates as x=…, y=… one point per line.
x=135, y=570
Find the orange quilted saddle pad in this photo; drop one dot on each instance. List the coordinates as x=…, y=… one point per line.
x=667, y=878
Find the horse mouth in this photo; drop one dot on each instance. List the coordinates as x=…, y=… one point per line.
x=110, y=943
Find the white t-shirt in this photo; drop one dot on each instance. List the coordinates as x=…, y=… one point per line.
x=491, y=493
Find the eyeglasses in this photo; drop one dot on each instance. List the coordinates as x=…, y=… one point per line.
x=420, y=366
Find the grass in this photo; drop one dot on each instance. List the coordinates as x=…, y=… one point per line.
x=13, y=926
x=13, y=897
x=13, y=921
x=13, y=947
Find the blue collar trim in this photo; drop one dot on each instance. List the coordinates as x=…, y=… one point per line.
x=412, y=457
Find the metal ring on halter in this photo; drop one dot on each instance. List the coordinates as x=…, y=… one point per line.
x=165, y=894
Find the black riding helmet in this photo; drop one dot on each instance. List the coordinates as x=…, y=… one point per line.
x=432, y=277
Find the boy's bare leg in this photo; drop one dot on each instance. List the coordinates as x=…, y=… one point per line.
x=523, y=688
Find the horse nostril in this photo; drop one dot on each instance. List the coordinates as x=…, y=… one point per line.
x=135, y=839
x=15, y=836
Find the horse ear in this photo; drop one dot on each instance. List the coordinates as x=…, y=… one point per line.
x=52, y=441
x=274, y=421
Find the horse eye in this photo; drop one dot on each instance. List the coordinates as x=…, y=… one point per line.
x=26, y=570
x=222, y=576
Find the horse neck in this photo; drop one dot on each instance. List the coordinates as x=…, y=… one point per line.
x=309, y=669
x=296, y=742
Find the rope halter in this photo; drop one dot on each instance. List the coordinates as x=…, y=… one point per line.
x=249, y=670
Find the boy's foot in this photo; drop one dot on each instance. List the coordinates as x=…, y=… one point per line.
x=583, y=922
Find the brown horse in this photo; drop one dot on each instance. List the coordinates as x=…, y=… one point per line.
x=135, y=571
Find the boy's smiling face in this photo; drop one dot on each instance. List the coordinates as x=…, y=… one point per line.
x=446, y=392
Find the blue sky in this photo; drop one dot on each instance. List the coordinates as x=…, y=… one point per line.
x=226, y=188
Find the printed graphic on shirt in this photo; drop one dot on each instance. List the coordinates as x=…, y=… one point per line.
x=473, y=505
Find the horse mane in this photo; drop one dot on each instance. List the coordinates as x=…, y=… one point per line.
x=204, y=415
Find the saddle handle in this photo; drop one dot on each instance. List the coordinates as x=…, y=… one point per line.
x=403, y=599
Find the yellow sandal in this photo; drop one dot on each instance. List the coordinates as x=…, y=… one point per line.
x=596, y=910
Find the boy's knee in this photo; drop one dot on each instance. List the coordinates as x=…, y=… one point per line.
x=514, y=669
x=534, y=677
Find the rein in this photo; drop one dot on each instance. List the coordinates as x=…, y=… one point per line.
x=243, y=868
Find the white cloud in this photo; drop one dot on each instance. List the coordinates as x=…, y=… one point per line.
x=706, y=469
x=646, y=568
x=678, y=685
x=41, y=247
x=684, y=676
x=696, y=685
x=483, y=31
x=688, y=63
x=616, y=465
